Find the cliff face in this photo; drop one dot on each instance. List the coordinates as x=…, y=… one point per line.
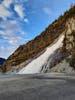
x=70, y=40
x=65, y=63
x=65, y=23
x=70, y=32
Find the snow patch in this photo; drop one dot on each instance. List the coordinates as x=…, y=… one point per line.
x=36, y=65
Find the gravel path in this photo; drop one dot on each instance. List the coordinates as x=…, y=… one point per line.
x=21, y=87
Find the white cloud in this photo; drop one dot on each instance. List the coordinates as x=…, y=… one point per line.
x=15, y=40
x=12, y=26
x=10, y=32
x=5, y=51
x=7, y=3
x=2, y=47
x=23, y=33
x=4, y=13
x=26, y=20
x=47, y=10
x=19, y=10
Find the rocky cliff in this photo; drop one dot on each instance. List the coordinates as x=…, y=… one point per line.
x=64, y=58
x=63, y=25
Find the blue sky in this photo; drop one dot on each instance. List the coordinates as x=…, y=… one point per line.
x=22, y=20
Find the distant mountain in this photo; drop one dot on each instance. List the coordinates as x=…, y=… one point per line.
x=2, y=60
x=48, y=49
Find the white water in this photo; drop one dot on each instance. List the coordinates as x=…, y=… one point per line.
x=36, y=65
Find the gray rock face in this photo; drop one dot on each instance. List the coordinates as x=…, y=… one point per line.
x=62, y=67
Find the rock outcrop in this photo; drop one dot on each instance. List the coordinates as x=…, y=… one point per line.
x=70, y=31
x=64, y=25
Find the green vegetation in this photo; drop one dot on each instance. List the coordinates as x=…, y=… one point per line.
x=72, y=62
